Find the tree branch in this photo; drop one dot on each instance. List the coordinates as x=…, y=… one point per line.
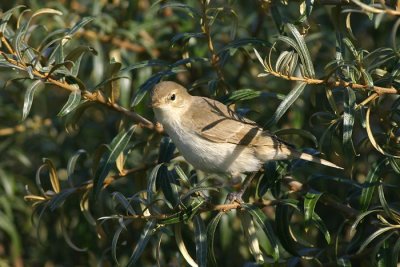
x=378, y=89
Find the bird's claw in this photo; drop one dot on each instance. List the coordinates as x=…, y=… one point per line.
x=235, y=197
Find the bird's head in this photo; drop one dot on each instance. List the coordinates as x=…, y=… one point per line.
x=169, y=96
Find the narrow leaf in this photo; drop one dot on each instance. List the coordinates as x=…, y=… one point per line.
x=55, y=183
x=181, y=246
x=141, y=244
x=310, y=201
x=200, y=240
x=286, y=103
x=73, y=102
x=212, y=226
x=117, y=146
x=371, y=183
x=29, y=97
x=262, y=221
x=251, y=237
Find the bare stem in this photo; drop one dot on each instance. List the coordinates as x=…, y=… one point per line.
x=378, y=89
x=205, y=27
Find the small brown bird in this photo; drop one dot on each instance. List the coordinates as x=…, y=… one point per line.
x=214, y=138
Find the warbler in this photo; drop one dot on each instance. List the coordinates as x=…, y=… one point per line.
x=214, y=138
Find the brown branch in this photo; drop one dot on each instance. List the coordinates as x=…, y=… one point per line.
x=205, y=27
x=378, y=89
x=91, y=96
x=122, y=43
x=30, y=124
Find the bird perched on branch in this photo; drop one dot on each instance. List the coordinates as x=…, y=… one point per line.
x=213, y=138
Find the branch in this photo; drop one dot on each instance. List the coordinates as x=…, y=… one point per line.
x=205, y=27
x=96, y=96
x=35, y=123
x=378, y=89
x=122, y=43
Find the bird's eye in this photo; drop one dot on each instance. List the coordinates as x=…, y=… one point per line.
x=172, y=97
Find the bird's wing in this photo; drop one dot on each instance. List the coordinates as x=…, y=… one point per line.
x=226, y=126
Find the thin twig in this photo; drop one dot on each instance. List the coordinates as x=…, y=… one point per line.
x=205, y=27
x=378, y=89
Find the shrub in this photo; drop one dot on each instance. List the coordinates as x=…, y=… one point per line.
x=322, y=75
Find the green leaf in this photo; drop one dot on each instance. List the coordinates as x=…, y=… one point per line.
x=151, y=183
x=376, y=234
x=72, y=163
x=184, y=215
x=240, y=95
x=28, y=99
x=251, y=237
x=5, y=17
x=343, y=262
x=166, y=151
x=121, y=199
x=149, y=84
x=185, y=36
x=200, y=240
x=319, y=223
x=181, y=245
x=81, y=23
x=300, y=132
x=286, y=103
x=114, y=242
x=212, y=226
x=371, y=184
x=262, y=221
x=57, y=200
x=242, y=42
x=117, y=146
x=384, y=203
x=303, y=50
x=348, y=123
x=76, y=55
x=283, y=215
x=310, y=201
x=147, y=232
x=73, y=102
x=194, y=13
x=54, y=180
x=395, y=252
x=359, y=219
x=168, y=182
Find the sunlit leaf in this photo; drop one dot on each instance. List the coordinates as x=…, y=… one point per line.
x=117, y=146
x=371, y=184
x=145, y=236
x=310, y=201
x=73, y=102
x=348, y=123
x=29, y=97
x=55, y=182
x=114, y=242
x=212, y=226
x=182, y=247
x=72, y=164
x=262, y=221
x=251, y=237
x=200, y=241
x=286, y=103
x=303, y=50
x=283, y=215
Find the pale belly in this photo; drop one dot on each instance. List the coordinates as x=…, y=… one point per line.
x=214, y=157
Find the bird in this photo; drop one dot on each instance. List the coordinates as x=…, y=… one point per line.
x=214, y=138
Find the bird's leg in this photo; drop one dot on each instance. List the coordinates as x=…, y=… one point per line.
x=237, y=196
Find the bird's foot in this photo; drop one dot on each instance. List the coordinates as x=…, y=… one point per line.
x=235, y=197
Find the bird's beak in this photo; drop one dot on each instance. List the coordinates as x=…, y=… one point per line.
x=155, y=104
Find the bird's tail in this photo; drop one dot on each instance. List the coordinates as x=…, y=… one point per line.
x=308, y=157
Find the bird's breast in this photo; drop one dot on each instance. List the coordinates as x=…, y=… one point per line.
x=210, y=156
